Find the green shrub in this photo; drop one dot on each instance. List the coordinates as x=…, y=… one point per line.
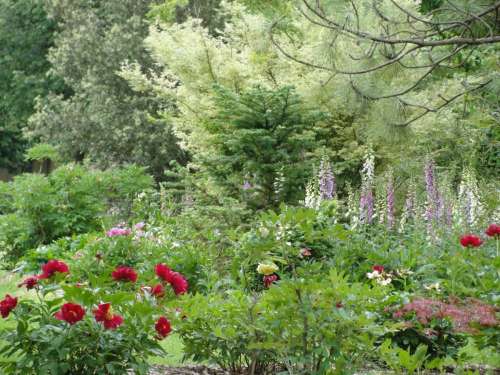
x=306, y=325
x=71, y=200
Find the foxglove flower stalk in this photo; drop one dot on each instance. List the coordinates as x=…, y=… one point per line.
x=390, y=201
x=326, y=180
x=440, y=207
x=409, y=210
x=432, y=192
x=380, y=206
x=352, y=209
x=366, y=206
x=279, y=185
x=312, y=198
x=468, y=194
x=366, y=199
x=449, y=214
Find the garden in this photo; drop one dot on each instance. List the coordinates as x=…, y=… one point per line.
x=249, y=187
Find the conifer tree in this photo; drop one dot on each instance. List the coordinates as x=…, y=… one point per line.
x=260, y=141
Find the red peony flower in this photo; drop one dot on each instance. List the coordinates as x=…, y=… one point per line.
x=104, y=314
x=124, y=273
x=493, y=230
x=158, y=290
x=470, y=240
x=163, y=327
x=162, y=271
x=70, y=312
x=269, y=280
x=30, y=282
x=175, y=279
x=378, y=268
x=51, y=267
x=179, y=283
x=7, y=305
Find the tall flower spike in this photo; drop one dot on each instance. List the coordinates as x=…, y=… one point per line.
x=312, y=198
x=468, y=194
x=390, y=201
x=366, y=199
x=432, y=192
x=326, y=180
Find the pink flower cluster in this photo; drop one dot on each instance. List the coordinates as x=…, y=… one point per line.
x=118, y=231
x=462, y=314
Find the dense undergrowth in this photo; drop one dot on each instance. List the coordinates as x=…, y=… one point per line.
x=301, y=290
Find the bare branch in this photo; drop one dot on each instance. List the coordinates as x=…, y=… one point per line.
x=416, y=41
x=445, y=103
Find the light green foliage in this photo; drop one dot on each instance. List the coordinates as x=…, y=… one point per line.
x=456, y=132
x=42, y=152
x=317, y=324
x=240, y=58
x=295, y=323
x=103, y=119
x=402, y=361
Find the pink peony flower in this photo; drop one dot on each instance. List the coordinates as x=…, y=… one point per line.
x=114, y=232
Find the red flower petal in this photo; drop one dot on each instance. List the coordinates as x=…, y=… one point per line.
x=51, y=267
x=114, y=322
x=470, y=240
x=70, y=312
x=7, y=305
x=124, y=273
x=378, y=268
x=493, y=230
x=104, y=314
x=163, y=327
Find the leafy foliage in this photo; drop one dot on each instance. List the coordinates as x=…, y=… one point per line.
x=26, y=34
x=39, y=209
x=258, y=138
x=104, y=120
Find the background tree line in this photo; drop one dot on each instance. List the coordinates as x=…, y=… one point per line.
x=251, y=93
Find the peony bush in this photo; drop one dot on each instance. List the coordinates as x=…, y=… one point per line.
x=110, y=323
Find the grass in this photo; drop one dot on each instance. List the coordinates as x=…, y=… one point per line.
x=174, y=348
x=8, y=285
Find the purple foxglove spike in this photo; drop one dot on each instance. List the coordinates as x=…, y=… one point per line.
x=432, y=192
x=326, y=181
